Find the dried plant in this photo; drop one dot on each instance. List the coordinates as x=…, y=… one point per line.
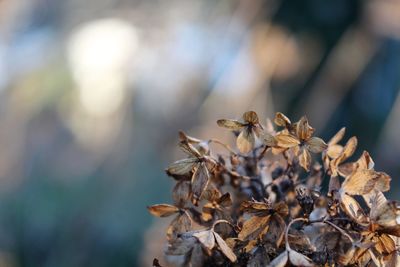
x=255, y=208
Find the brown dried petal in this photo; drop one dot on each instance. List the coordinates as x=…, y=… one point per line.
x=181, y=224
x=305, y=159
x=364, y=181
x=346, y=169
x=200, y=180
x=348, y=151
x=285, y=140
x=365, y=162
x=337, y=137
x=206, y=238
x=181, y=192
x=245, y=141
x=162, y=210
x=351, y=207
x=250, y=117
x=385, y=214
x=183, y=166
x=374, y=200
x=231, y=124
x=281, y=120
x=334, y=151
x=269, y=140
x=384, y=244
x=253, y=227
x=316, y=145
x=189, y=149
x=304, y=131
x=224, y=248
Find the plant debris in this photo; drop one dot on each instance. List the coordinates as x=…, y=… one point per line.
x=263, y=205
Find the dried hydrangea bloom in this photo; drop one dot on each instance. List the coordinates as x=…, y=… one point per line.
x=249, y=129
x=299, y=138
x=255, y=207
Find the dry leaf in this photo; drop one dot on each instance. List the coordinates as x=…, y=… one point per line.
x=162, y=210
x=304, y=131
x=183, y=166
x=189, y=149
x=200, y=180
x=181, y=224
x=286, y=140
x=245, y=141
x=316, y=145
x=181, y=193
x=364, y=181
x=281, y=120
x=251, y=117
x=305, y=159
x=351, y=207
x=231, y=124
x=206, y=238
x=224, y=248
x=253, y=227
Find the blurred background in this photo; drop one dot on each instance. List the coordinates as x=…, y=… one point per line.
x=93, y=93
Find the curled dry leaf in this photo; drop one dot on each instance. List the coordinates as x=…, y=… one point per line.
x=286, y=140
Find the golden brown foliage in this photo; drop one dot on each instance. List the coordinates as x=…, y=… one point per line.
x=254, y=208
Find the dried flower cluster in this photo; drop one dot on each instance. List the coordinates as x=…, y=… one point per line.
x=264, y=204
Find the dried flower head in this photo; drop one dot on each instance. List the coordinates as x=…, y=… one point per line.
x=267, y=209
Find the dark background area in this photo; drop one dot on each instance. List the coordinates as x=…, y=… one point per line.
x=93, y=93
